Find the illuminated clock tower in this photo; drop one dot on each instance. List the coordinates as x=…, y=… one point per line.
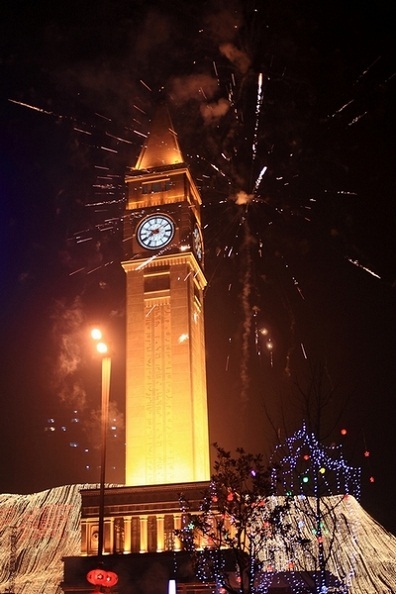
x=167, y=435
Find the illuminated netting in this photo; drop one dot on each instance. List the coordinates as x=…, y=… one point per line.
x=360, y=553
x=37, y=531
x=320, y=483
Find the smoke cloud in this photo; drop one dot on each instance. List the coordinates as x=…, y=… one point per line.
x=237, y=57
x=212, y=112
x=198, y=87
x=68, y=321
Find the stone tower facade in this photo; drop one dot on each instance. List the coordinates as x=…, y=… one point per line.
x=167, y=435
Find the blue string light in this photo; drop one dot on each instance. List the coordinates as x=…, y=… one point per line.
x=283, y=533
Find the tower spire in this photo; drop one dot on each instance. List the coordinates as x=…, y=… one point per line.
x=162, y=146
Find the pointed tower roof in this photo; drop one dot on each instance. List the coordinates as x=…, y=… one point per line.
x=161, y=147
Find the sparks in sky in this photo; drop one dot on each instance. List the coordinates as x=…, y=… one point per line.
x=247, y=112
x=259, y=103
x=358, y=265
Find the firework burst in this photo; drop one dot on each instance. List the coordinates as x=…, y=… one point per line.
x=275, y=129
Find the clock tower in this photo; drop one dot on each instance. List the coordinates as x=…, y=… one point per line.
x=167, y=435
x=166, y=417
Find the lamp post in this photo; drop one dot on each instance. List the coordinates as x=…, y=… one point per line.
x=100, y=577
x=102, y=349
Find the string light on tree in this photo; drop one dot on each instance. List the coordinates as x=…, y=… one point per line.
x=321, y=482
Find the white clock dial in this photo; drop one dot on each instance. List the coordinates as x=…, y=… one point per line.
x=155, y=231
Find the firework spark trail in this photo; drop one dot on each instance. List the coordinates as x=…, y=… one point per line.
x=218, y=170
x=256, y=333
x=369, y=67
x=58, y=116
x=83, y=239
x=231, y=89
x=259, y=102
x=80, y=129
x=357, y=118
x=150, y=310
x=118, y=138
x=259, y=178
x=140, y=133
x=110, y=150
x=145, y=85
x=155, y=256
x=215, y=69
x=342, y=108
x=147, y=262
x=247, y=315
x=296, y=284
x=139, y=109
x=77, y=271
x=33, y=107
x=358, y=265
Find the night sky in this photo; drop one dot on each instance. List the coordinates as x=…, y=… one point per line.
x=285, y=112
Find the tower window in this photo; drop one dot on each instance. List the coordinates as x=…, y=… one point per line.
x=162, y=185
x=156, y=282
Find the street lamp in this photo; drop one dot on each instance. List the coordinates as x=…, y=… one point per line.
x=100, y=577
x=102, y=349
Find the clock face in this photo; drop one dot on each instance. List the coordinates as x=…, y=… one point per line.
x=197, y=243
x=155, y=231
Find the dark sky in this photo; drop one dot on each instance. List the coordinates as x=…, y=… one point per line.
x=305, y=89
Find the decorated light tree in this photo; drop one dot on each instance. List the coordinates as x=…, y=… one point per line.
x=322, y=534
x=239, y=513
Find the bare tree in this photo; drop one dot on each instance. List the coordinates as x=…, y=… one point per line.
x=319, y=481
x=289, y=517
x=238, y=514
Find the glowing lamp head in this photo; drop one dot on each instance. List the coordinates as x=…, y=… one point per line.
x=96, y=334
x=102, y=348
